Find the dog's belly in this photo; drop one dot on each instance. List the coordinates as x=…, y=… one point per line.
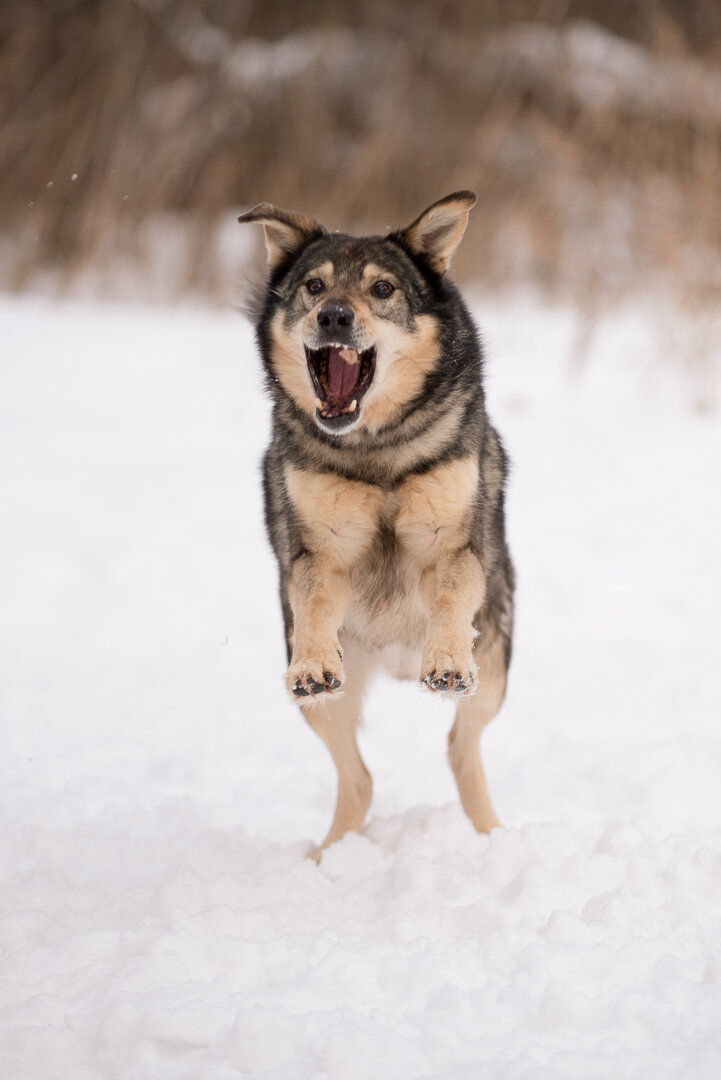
x=386, y=610
x=399, y=624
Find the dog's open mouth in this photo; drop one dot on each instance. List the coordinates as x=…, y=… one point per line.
x=341, y=376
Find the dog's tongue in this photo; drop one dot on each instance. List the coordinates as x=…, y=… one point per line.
x=342, y=376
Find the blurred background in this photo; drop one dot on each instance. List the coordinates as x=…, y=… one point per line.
x=133, y=131
x=158, y=792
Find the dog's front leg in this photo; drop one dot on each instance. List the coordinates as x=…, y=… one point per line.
x=319, y=591
x=453, y=590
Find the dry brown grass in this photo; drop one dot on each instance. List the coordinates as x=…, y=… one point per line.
x=596, y=159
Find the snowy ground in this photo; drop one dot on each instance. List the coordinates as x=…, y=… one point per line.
x=158, y=917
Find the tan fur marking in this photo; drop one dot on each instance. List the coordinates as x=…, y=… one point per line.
x=433, y=525
x=472, y=716
x=404, y=360
x=339, y=517
x=435, y=509
x=318, y=593
x=335, y=720
x=324, y=271
x=373, y=273
x=453, y=592
x=289, y=364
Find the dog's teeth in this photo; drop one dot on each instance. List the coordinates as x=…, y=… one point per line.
x=319, y=404
x=349, y=355
x=353, y=405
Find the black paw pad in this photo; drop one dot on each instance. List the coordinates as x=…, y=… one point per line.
x=447, y=682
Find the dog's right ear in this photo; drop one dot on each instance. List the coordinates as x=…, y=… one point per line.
x=285, y=232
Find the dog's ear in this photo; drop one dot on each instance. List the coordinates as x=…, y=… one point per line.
x=285, y=232
x=439, y=230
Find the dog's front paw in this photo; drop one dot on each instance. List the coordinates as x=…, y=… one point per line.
x=316, y=675
x=447, y=675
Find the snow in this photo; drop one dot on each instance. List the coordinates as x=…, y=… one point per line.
x=158, y=915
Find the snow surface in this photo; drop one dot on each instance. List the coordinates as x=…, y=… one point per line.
x=158, y=916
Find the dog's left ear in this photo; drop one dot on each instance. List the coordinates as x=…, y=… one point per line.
x=285, y=232
x=439, y=230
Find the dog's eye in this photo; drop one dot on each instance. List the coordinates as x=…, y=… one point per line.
x=314, y=286
x=382, y=289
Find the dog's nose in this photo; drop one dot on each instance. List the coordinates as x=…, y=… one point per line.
x=334, y=317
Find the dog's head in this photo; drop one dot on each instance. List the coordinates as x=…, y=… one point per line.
x=351, y=327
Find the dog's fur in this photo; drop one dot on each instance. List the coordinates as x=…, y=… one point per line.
x=384, y=498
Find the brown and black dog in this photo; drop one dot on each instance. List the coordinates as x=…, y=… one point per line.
x=384, y=485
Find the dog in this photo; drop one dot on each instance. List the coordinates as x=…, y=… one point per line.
x=384, y=485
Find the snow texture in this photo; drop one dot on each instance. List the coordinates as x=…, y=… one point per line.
x=158, y=915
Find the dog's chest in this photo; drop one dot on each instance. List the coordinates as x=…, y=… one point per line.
x=386, y=539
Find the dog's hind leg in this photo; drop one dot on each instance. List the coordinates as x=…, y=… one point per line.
x=472, y=715
x=335, y=719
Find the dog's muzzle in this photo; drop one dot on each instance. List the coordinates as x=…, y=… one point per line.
x=341, y=376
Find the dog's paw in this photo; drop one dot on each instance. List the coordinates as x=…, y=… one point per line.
x=448, y=676
x=315, y=676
